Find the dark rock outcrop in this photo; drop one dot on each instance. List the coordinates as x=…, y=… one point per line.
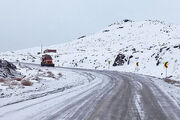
x=127, y=20
x=120, y=60
x=177, y=46
x=106, y=30
x=7, y=69
x=82, y=37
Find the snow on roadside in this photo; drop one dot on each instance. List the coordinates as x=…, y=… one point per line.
x=45, y=81
x=171, y=90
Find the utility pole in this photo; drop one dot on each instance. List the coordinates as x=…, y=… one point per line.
x=41, y=49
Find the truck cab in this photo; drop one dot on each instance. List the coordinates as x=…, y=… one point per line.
x=46, y=60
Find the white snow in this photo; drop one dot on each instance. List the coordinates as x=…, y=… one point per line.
x=147, y=41
x=173, y=91
x=152, y=40
x=44, y=85
x=139, y=107
x=53, y=102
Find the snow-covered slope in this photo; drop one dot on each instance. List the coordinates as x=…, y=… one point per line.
x=151, y=43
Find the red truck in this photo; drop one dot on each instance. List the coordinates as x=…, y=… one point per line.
x=47, y=60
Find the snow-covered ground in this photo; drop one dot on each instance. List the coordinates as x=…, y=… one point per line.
x=169, y=88
x=44, y=81
x=173, y=91
x=151, y=43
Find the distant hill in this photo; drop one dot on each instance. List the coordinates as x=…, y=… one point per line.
x=150, y=42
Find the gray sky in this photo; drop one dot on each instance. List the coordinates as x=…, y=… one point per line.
x=28, y=23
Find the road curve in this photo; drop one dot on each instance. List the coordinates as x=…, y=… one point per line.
x=118, y=96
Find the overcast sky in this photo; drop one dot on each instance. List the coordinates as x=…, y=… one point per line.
x=29, y=23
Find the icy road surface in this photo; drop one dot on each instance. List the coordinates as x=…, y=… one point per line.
x=113, y=96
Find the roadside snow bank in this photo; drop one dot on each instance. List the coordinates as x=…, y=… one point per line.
x=44, y=81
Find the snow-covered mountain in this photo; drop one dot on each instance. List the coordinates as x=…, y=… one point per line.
x=150, y=42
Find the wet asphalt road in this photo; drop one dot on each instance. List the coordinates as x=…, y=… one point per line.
x=119, y=96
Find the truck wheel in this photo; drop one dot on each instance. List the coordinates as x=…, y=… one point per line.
x=42, y=64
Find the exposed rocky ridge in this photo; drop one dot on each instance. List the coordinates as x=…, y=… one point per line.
x=7, y=69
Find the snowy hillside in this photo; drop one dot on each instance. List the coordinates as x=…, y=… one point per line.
x=151, y=43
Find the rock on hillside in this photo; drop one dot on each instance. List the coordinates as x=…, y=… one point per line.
x=7, y=69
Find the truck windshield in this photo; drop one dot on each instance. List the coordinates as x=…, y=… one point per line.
x=47, y=57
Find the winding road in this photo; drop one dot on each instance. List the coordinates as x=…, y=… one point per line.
x=116, y=96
